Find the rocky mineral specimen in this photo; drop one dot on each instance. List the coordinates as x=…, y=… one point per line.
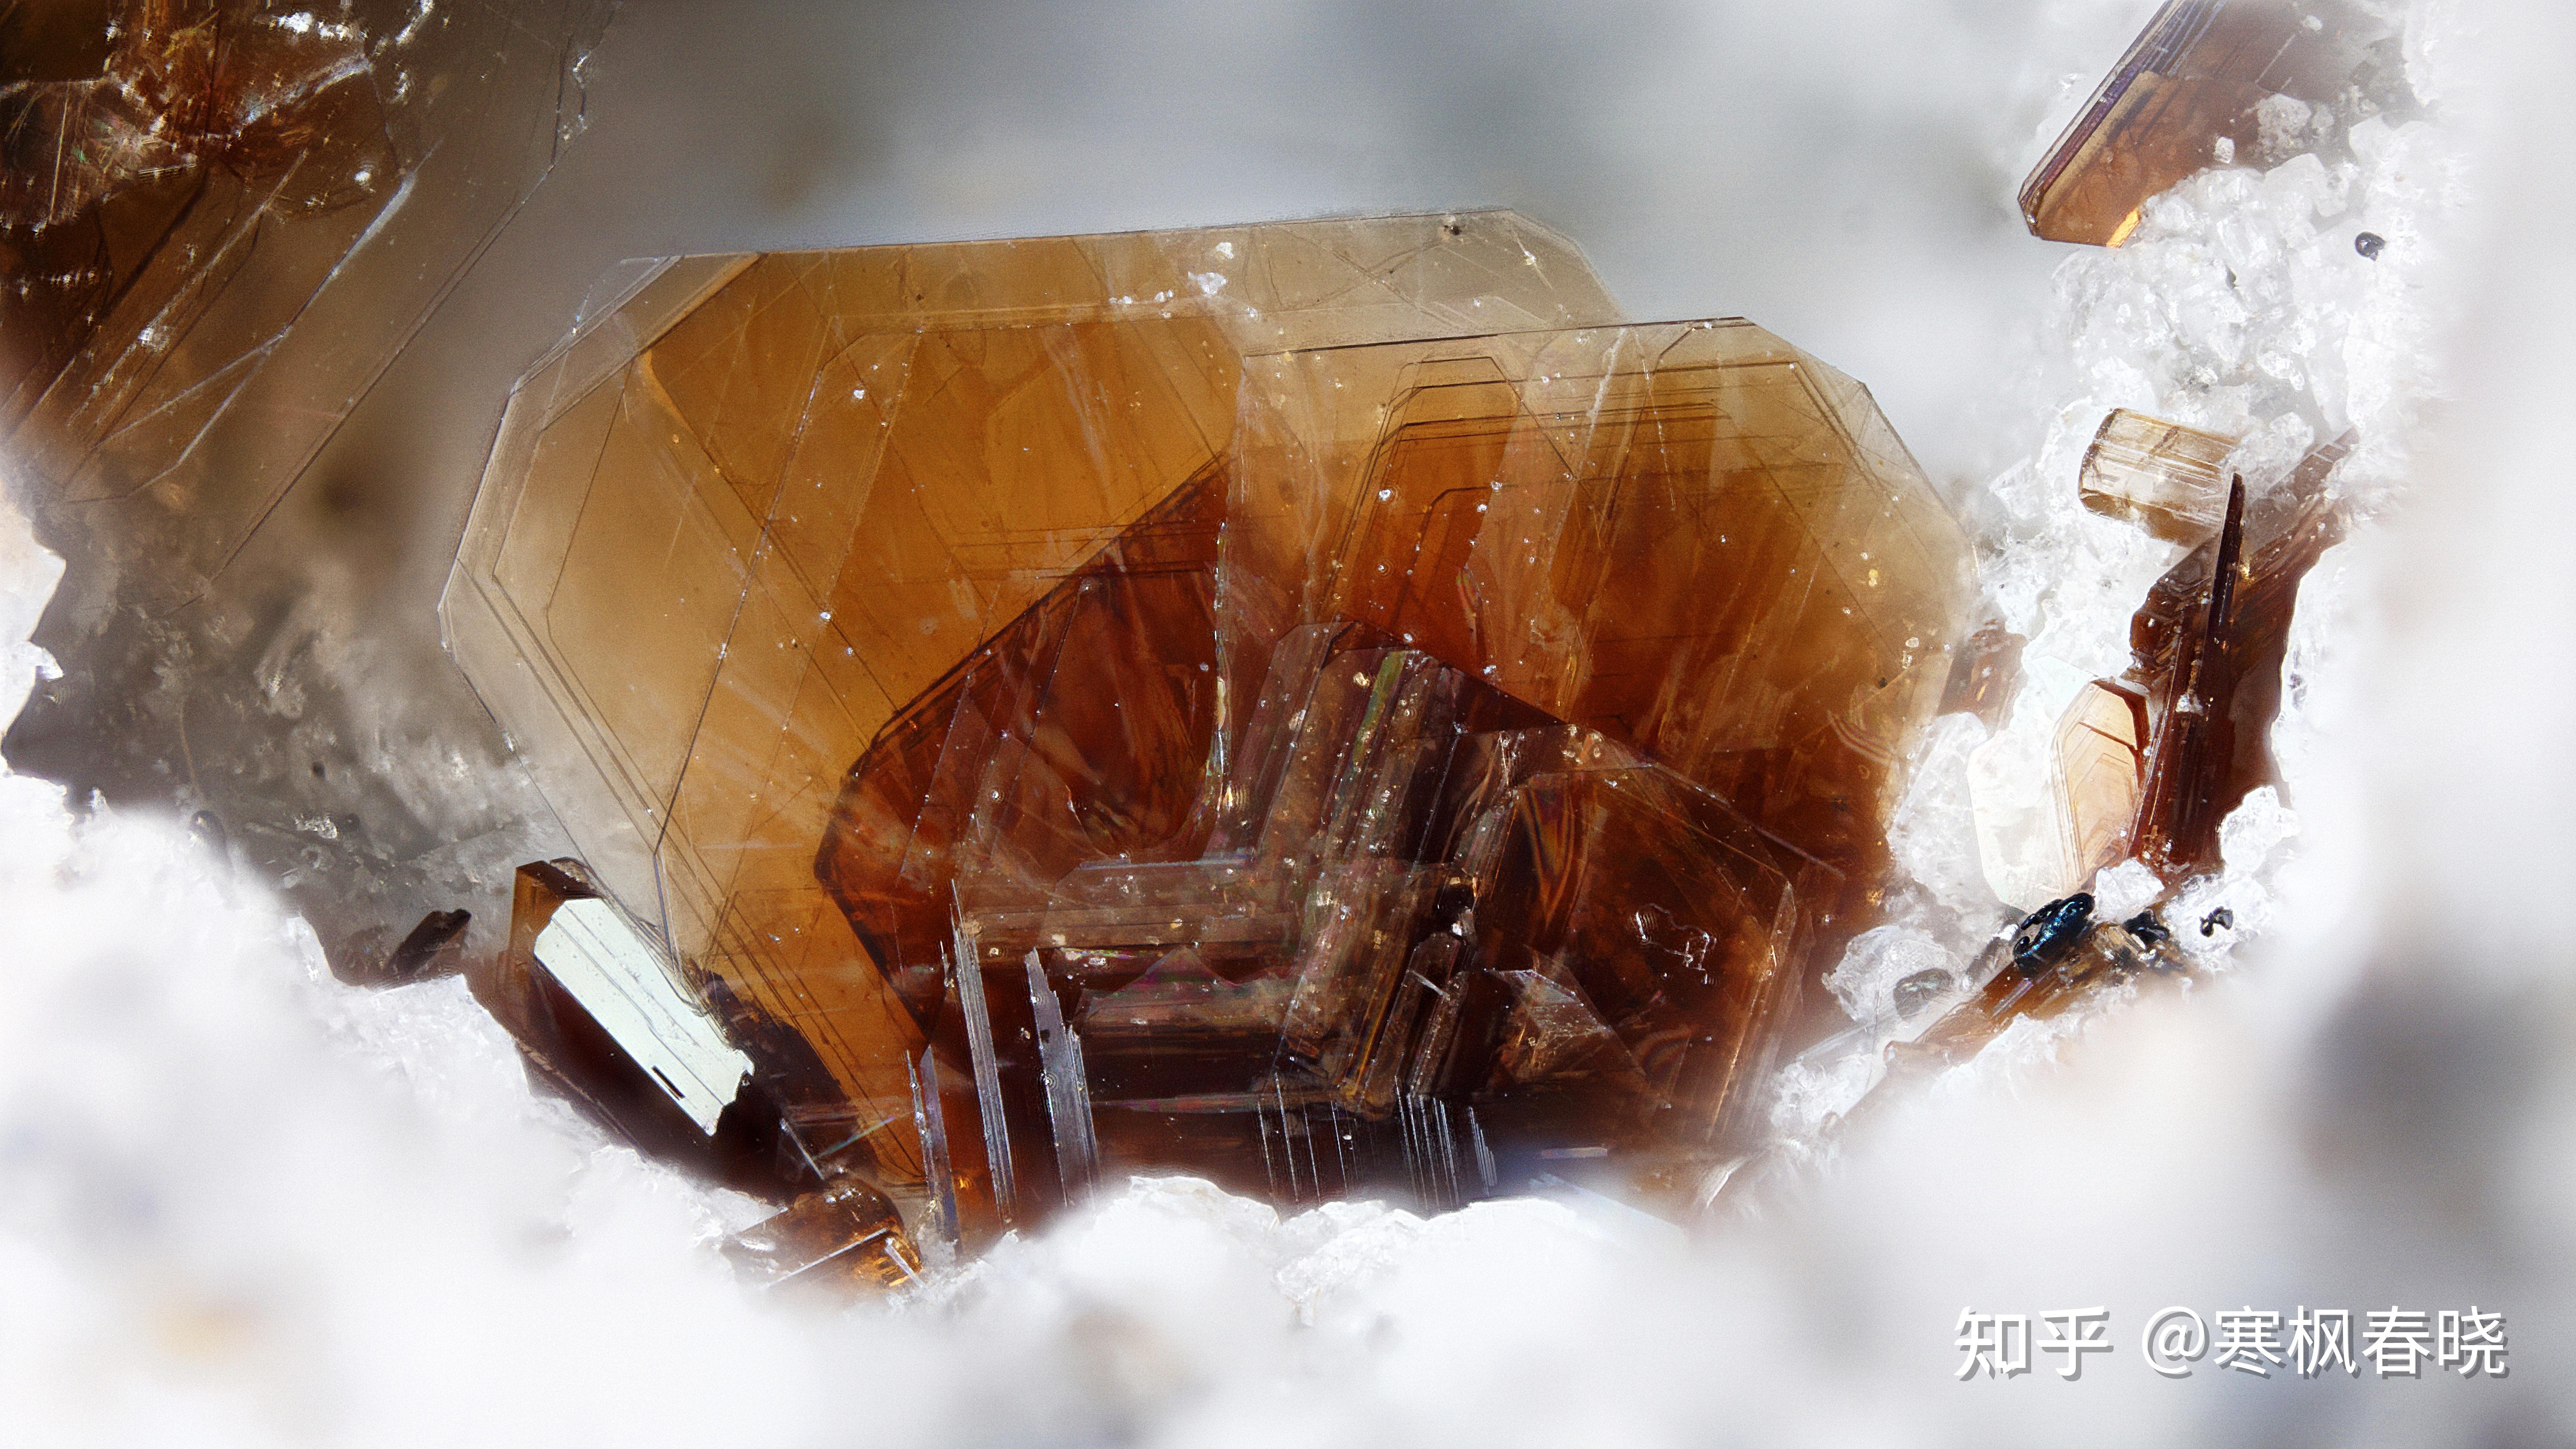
x=1076, y=705
x=2213, y=82
x=2148, y=764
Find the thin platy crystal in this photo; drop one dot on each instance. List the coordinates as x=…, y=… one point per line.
x=1068, y=1089
x=978, y=1021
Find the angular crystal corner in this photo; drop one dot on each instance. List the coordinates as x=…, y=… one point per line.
x=2168, y=479
x=2101, y=771
x=2211, y=82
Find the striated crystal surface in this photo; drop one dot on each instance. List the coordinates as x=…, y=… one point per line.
x=2213, y=82
x=1324, y=705
x=2168, y=479
x=2100, y=775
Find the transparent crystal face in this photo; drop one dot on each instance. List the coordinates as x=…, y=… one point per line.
x=1219, y=726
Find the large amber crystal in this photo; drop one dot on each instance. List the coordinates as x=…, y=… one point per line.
x=1322, y=705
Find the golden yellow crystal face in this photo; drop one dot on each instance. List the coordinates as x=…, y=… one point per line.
x=2100, y=773
x=1322, y=704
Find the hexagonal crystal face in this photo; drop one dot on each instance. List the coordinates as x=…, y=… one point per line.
x=1324, y=705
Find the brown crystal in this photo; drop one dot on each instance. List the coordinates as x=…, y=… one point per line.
x=753, y=1146
x=1984, y=673
x=95, y=168
x=2101, y=774
x=218, y=221
x=254, y=208
x=845, y=1234
x=1416, y=899
x=2052, y=962
x=2168, y=479
x=2208, y=645
x=2192, y=91
x=1117, y=705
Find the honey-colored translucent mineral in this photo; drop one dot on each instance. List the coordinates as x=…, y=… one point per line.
x=2207, y=647
x=2101, y=773
x=2211, y=82
x=1320, y=705
x=2168, y=479
x=221, y=223
x=2058, y=956
x=219, y=219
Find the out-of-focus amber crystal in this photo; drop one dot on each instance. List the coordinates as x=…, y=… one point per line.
x=1134, y=701
x=218, y=221
x=2210, y=82
x=844, y=1234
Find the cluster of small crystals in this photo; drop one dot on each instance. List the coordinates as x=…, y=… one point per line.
x=2232, y=379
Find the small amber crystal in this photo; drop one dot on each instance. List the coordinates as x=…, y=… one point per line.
x=2053, y=961
x=844, y=1234
x=1090, y=704
x=2210, y=82
x=2168, y=479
